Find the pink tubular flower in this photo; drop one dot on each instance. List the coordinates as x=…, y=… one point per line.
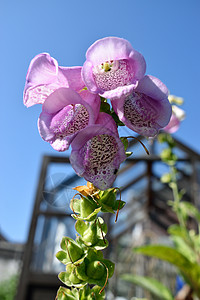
x=64, y=114
x=178, y=115
x=112, y=67
x=44, y=76
x=97, y=153
x=147, y=109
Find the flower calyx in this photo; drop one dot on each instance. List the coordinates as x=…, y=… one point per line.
x=71, y=252
x=93, y=269
x=87, y=207
x=84, y=293
x=92, y=234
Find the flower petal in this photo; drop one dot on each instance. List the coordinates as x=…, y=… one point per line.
x=41, y=79
x=96, y=155
x=178, y=115
x=119, y=91
x=107, y=121
x=44, y=123
x=88, y=78
x=173, y=125
x=45, y=76
x=63, y=97
x=64, y=114
x=147, y=109
x=93, y=100
x=112, y=63
x=73, y=77
x=152, y=87
x=61, y=143
x=109, y=48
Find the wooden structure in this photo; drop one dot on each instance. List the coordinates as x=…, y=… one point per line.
x=146, y=196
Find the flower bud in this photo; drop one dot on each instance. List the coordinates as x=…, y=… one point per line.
x=87, y=207
x=73, y=277
x=95, y=270
x=90, y=235
x=108, y=197
x=73, y=250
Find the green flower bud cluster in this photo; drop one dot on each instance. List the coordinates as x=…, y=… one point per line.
x=167, y=154
x=83, y=264
x=89, y=206
x=84, y=293
x=92, y=233
x=83, y=258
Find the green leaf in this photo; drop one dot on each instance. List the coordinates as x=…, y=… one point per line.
x=183, y=248
x=110, y=265
x=64, y=277
x=80, y=272
x=106, y=208
x=65, y=294
x=108, y=197
x=96, y=290
x=124, y=140
x=134, y=298
x=100, y=245
x=91, y=294
x=81, y=226
x=69, y=277
x=102, y=227
x=75, y=205
x=119, y=204
x=89, y=218
x=166, y=253
x=63, y=257
x=105, y=107
x=177, y=230
x=116, y=118
x=73, y=250
x=150, y=284
x=190, y=271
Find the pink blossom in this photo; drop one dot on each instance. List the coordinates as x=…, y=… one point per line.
x=97, y=153
x=112, y=67
x=145, y=110
x=44, y=76
x=65, y=113
x=178, y=115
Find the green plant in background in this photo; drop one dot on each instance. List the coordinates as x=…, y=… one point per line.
x=185, y=252
x=8, y=288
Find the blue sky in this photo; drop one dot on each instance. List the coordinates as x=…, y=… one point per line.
x=167, y=33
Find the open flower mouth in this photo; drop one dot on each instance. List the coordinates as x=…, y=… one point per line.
x=137, y=113
x=112, y=74
x=98, y=151
x=107, y=66
x=69, y=120
x=98, y=155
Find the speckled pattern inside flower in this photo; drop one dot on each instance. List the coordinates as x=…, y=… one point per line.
x=98, y=154
x=112, y=74
x=69, y=120
x=139, y=111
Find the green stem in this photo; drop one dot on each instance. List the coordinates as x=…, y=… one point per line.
x=176, y=197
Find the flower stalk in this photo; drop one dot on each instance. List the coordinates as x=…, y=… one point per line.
x=76, y=113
